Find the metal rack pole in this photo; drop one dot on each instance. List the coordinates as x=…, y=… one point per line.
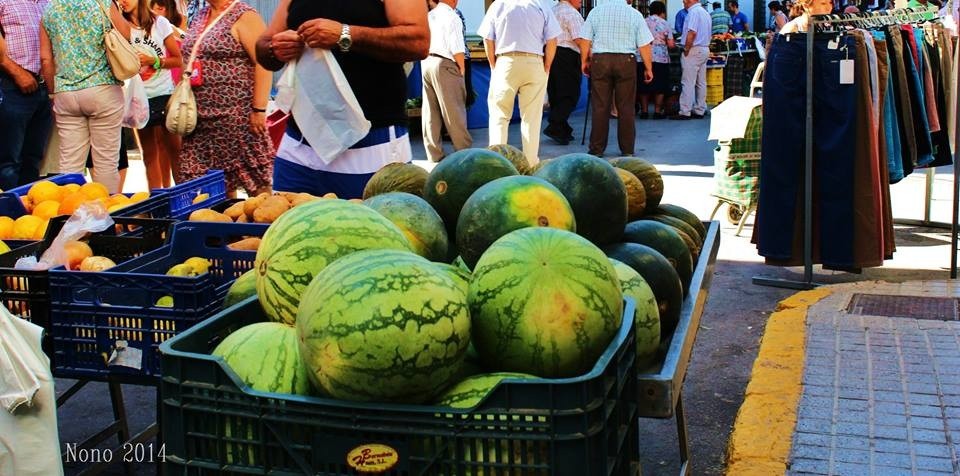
x=956, y=157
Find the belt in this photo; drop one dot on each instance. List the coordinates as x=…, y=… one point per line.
x=378, y=136
x=37, y=77
x=440, y=56
x=520, y=53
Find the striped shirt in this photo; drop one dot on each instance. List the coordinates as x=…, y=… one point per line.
x=570, y=22
x=20, y=22
x=615, y=27
x=720, y=19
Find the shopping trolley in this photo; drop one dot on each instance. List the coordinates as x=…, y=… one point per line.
x=737, y=172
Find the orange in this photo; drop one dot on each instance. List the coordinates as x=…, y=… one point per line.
x=69, y=188
x=27, y=203
x=140, y=196
x=71, y=202
x=6, y=228
x=94, y=190
x=25, y=227
x=44, y=190
x=47, y=209
x=41, y=230
x=76, y=252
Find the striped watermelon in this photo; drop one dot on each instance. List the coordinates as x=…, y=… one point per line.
x=383, y=325
x=416, y=219
x=306, y=239
x=266, y=357
x=665, y=239
x=460, y=275
x=648, y=175
x=659, y=274
x=508, y=204
x=646, y=317
x=460, y=174
x=472, y=390
x=396, y=177
x=245, y=286
x=514, y=155
x=544, y=301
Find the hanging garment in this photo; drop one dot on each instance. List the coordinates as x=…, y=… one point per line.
x=778, y=234
x=903, y=102
x=927, y=81
x=891, y=127
x=867, y=209
x=941, y=141
x=883, y=81
x=920, y=123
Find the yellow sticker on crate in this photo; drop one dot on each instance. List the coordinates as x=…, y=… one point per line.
x=372, y=458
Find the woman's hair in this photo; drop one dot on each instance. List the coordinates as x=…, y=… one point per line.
x=800, y=7
x=173, y=13
x=658, y=8
x=145, y=16
x=775, y=6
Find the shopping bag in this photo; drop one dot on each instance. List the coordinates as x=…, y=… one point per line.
x=136, y=106
x=324, y=106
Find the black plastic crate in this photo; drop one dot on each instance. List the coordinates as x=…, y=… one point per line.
x=26, y=293
x=214, y=424
x=95, y=314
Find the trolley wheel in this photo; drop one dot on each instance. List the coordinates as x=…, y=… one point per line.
x=735, y=213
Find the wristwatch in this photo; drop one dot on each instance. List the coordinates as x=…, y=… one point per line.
x=344, y=42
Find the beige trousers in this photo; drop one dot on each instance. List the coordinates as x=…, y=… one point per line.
x=444, y=103
x=513, y=76
x=88, y=121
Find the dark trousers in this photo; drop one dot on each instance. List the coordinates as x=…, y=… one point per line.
x=903, y=103
x=613, y=76
x=25, y=123
x=563, y=89
x=779, y=213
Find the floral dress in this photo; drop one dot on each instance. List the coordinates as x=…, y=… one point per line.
x=222, y=139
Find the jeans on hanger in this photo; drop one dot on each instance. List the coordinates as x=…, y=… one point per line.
x=920, y=123
x=902, y=101
x=891, y=129
x=781, y=168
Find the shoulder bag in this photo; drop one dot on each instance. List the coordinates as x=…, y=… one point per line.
x=123, y=59
x=182, y=106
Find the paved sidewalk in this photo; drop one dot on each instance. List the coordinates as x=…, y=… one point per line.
x=879, y=392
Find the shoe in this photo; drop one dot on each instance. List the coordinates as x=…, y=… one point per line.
x=697, y=116
x=644, y=115
x=658, y=115
x=680, y=117
x=558, y=138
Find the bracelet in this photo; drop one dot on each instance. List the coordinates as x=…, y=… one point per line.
x=257, y=109
x=157, y=64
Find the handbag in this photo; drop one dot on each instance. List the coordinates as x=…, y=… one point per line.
x=123, y=59
x=182, y=106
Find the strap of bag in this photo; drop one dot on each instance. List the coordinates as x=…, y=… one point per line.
x=106, y=13
x=196, y=46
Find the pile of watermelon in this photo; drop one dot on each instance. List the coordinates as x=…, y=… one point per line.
x=439, y=286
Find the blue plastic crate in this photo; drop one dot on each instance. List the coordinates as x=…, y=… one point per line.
x=62, y=179
x=180, y=197
x=157, y=206
x=94, y=313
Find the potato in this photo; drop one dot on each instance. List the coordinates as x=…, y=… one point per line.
x=246, y=244
x=251, y=204
x=234, y=211
x=302, y=198
x=329, y=195
x=267, y=213
x=243, y=218
x=276, y=201
x=206, y=214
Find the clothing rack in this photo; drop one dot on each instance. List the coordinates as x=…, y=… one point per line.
x=838, y=23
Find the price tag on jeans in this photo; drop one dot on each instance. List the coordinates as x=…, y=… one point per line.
x=846, y=71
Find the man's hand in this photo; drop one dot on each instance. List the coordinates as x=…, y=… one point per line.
x=686, y=52
x=648, y=76
x=25, y=82
x=585, y=68
x=258, y=122
x=321, y=33
x=286, y=45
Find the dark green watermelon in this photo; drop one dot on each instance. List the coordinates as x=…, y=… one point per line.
x=683, y=228
x=595, y=192
x=685, y=215
x=396, y=177
x=460, y=174
x=648, y=175
x=661, y=277
x=514, y=155
x=665, y=239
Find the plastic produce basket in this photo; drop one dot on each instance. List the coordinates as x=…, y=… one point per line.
x=26, y=294
x=108, y=323
x=154, y=207
x=62, y=179
x=214, y=424
x=181, y=196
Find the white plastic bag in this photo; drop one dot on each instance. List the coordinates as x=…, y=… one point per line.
x=136, y=106
x=90, y=217
x=324, y=106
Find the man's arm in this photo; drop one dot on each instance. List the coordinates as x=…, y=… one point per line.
x=458, y=58
x=490, y=47
x=688, y=42
x=47, y=66
x=25, y=81
x=549, y=52
x=646, y=54
x=278, y=44
x=406, y=39
x=584, y=45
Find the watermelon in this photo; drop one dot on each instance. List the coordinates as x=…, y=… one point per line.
x=460, y=174
x=266, y=357
x=458, y=262
x=646, y=317
x=595, y=192
x=396, y=177
x=514, y=155
x=667, y=241
x=417, y=220
x=507, y=204
x=659, y=274
x=471, y=365
x=245, y=286
x=687, y=232
x=459, y=275
x=383, y=325
x=686, y=215
x=306, y=239
x=544, y=301
x=648, y=175
x=471, y=391
x=636, y=195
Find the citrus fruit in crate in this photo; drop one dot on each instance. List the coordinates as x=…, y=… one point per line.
x=42, y=191
x=28, y=227
x=6, y=228
x=75, y=252
x=96, y=263
x=94, y=190
x=46, y=209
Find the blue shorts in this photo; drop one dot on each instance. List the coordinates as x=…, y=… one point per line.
x=292, y=177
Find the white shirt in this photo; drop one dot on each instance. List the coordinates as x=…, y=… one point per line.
x=698, y=20
x=159, y=83
x=446, y=32
x=570, y=24
x=522, y=26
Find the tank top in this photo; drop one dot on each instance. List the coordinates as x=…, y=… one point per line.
x=380, y=87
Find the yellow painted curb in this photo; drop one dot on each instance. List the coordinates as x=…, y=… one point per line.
x=762, y=435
